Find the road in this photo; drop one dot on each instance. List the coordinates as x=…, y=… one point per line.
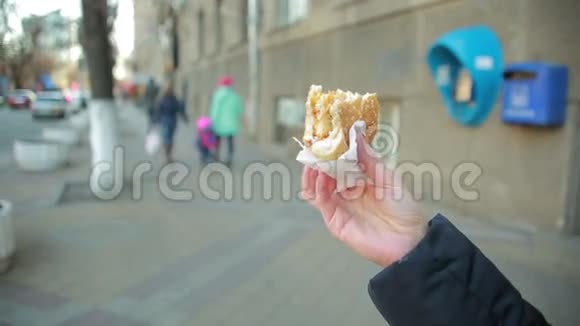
x=16, y=124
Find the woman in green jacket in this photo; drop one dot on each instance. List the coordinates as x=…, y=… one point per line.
x=225, y=113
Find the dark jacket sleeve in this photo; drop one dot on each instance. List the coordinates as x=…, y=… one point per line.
x=183, y=111
x=447, y=281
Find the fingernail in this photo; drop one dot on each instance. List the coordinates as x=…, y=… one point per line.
x=306, y=195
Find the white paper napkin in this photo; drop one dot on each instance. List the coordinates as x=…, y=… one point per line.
x=345, y=170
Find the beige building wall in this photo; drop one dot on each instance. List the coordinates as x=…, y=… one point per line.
x=149, y=42
x=380, y=46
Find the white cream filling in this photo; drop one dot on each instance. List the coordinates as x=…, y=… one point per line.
x=329, y=143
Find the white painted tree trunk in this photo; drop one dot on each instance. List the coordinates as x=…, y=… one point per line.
x=104, y=137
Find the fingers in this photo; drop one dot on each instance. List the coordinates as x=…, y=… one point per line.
x=355, y=192
x=371, y=163
x=309, y=176
x=324, y=201
x=317, y=186
x=318, y=189
x=325, y=187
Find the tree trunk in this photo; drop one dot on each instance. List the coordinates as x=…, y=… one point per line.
x=102, y=110
x=98, y=48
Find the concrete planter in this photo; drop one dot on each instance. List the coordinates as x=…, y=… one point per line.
x=6, y=236
x=68, y=136
x=39, y=155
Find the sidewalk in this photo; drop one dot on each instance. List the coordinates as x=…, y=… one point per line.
x=244, y=261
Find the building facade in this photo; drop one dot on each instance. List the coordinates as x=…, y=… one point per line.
x=530, y=177
x=55, y=39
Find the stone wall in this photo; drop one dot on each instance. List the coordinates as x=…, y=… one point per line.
x=380, y=46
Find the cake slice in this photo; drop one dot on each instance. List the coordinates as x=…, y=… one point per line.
x=329, y=117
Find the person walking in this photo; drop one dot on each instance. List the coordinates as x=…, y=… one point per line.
x=167, y=110
x=225, y=113
x=206, y=140
x=149, y=99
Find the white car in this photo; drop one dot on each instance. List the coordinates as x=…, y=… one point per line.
x=51, y=103
x=79, y=101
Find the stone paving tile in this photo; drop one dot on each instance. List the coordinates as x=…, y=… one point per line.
x=226, y=305
x=224, y=282
x=29, y=297
x=337, y=303
x=163, y=241
x=274, y=278
x=102, y=318
x=285, y=282
x=189, y=264
x=257, y=310
x=321, y=279
x=177, y=300
x=16, y=314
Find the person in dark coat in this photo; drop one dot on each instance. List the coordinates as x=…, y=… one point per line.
x=150, y=98
x=433, y=275
x=168, y=108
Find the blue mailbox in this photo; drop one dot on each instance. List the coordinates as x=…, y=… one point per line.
x=467, y=65
x=535, y=93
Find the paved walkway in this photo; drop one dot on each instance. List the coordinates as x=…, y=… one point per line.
x=237, y=261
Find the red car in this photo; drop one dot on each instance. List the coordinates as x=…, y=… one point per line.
x=20, y=99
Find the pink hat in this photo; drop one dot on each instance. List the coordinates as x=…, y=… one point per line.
x=203, y=123
x=226, y=81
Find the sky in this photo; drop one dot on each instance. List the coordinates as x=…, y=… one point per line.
x=123, y=33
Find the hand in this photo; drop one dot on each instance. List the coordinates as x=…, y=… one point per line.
x=369, y=217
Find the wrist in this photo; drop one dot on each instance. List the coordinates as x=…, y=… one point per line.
x=402, y=246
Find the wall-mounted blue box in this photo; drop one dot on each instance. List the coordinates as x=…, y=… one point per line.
x=467, y=65
x=535, y=93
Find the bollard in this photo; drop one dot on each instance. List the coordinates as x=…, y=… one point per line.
x=6, y=236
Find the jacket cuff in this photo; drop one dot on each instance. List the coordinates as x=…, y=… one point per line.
x=431, y=277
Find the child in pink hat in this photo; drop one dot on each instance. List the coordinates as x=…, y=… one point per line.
x=206, y=139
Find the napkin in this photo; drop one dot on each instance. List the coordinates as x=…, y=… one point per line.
x=345, y=170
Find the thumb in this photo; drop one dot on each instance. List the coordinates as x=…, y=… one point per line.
x=371, y=162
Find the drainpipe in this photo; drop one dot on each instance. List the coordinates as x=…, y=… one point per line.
x=253, y=66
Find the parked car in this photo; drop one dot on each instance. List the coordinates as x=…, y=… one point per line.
x=79, y=101
x=51, y=103
x=20, y=99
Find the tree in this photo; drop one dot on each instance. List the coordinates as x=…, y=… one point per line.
x=7, y=8
x=97, y=24
x=21, y=54
x=95, y=39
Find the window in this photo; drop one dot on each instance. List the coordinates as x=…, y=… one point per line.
x=200, y=33
x=289, y=116
x=291, y=11
x=218, y=24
